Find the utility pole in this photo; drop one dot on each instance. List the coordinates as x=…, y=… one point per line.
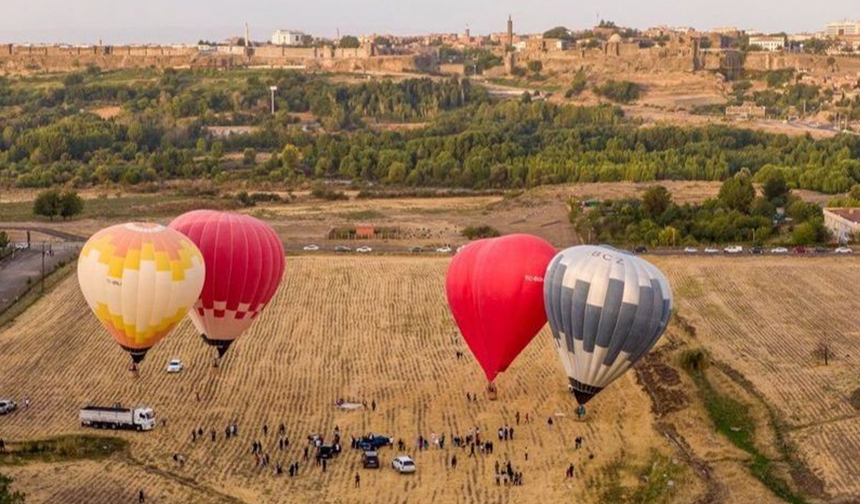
x=43, y=267
x=273, y=89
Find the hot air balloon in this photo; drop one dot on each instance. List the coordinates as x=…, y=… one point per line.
x=244, y=265
x=140, y=279
x=495, y=292
x=606, y=308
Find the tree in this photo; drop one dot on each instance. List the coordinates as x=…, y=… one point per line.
x=824, y=350
x=397, y=172
x=7, y=496
x=4, y=240
x=484, y=231
x=559, y=32
x=47, y=204
x=656, y=200
x=535, y=66
x=70, y=204
x=775, y=189
x=291, y=157
x=249, y=157
x=349, y=42
x=738, y=193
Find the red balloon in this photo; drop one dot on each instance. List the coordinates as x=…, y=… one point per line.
x=244, y=265
x=495, y=292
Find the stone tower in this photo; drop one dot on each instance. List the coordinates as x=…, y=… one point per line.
x=510, y=41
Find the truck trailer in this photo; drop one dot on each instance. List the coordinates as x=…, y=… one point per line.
x=140, y=418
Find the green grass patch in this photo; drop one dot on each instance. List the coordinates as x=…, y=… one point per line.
x=130, y=207
x=61, y=449
x=657, y=481
x=362, y=215
x=733, y=420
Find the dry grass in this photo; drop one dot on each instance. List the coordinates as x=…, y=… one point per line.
x=359, y=328
x=765, y=317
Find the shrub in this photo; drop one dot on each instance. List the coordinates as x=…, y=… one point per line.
x=485, y=231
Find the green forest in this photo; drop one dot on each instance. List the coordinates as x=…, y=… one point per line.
x=52, y=135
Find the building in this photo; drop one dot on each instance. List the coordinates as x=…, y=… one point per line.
x=844, y=223
x=842, y=28
x=768, y=42
x=365, y=231
x=510, y=40
x=288, y=38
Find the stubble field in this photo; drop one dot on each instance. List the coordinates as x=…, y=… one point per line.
x=373, y=329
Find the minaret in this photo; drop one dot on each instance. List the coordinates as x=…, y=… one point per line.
x=510, y=31
x=247, y=42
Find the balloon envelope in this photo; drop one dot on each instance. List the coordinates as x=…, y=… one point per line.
x=140, y=279
x=606, y=308
x=495, y=293
x=244, y=265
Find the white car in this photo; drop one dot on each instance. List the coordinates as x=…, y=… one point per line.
x=444, y=250
x=691, y=250
x=311, y=248
x=734, y=249
x=403, y=464
x=175, y=366
x=779, y=250
x=711, y=250
x=460, y=249
x=843, y=250
x=7, y=406
x=365, y=249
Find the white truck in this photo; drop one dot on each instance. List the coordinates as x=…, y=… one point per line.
x=140, y=418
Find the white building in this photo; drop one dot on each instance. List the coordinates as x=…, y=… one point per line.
x=288, y=38
x=844, y=223
x=840, y=28
x=768, y=43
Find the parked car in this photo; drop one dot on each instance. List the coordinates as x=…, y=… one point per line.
x=460, y=249
x=373, y=442
x=342, y=248
x=175, y=366
x=779, y=250
x=370, y=460
x=733, y=249
x=326, y=451
x=311, y=248
x=712, y=250
x=691, y=250
x=641, y=249
x=843, y=250
x=800, y=250
x=415, y=250
x=756, y=250
x=821, y=250
x=403, y=464
x=444, y=250
x=363, y=250
x=7, y=406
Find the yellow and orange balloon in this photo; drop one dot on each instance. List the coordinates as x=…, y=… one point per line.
x=140, y=279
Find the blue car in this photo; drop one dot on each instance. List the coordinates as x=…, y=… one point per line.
x=373, y=442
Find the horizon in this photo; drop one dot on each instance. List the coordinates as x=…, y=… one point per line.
x=50, y=21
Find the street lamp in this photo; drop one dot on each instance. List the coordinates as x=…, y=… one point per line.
x=273, y=89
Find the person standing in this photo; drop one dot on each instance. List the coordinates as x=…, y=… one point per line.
x=140, y=497
x=357, y=480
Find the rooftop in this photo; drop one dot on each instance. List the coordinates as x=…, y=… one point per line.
x=849, y=214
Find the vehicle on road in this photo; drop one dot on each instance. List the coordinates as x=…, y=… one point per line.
x=822, y=250
x=364, y=250
x=712, y=250
x=7, y=406
x=141, y=418
x=403, y=464
x=800, y=250
x=779, y=250
x=342, y=248
x=733, y=249
x=640, y=249
x=415, y=250
x=460, y=249
x=370, y=460
x=444, y=250
x=843, y=250
x=373, y=442
x=175, y=366
x=311, y=248
x=691, y=250
x=756, y=250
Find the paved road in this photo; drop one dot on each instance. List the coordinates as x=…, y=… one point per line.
x=69, y=237
x=27, y=264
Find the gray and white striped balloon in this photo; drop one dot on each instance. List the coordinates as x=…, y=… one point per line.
x=606, y=308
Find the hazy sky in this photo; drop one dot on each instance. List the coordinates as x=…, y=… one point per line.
x=177, y=21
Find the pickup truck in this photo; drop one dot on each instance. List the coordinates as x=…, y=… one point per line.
x=140, y=418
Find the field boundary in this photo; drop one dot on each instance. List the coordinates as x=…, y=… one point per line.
x=34, y=293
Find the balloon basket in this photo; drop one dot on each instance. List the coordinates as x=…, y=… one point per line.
x=492, y=392
x=580, y=413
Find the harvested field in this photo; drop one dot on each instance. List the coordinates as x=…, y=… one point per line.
x=374, y=329
x=765, y=317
